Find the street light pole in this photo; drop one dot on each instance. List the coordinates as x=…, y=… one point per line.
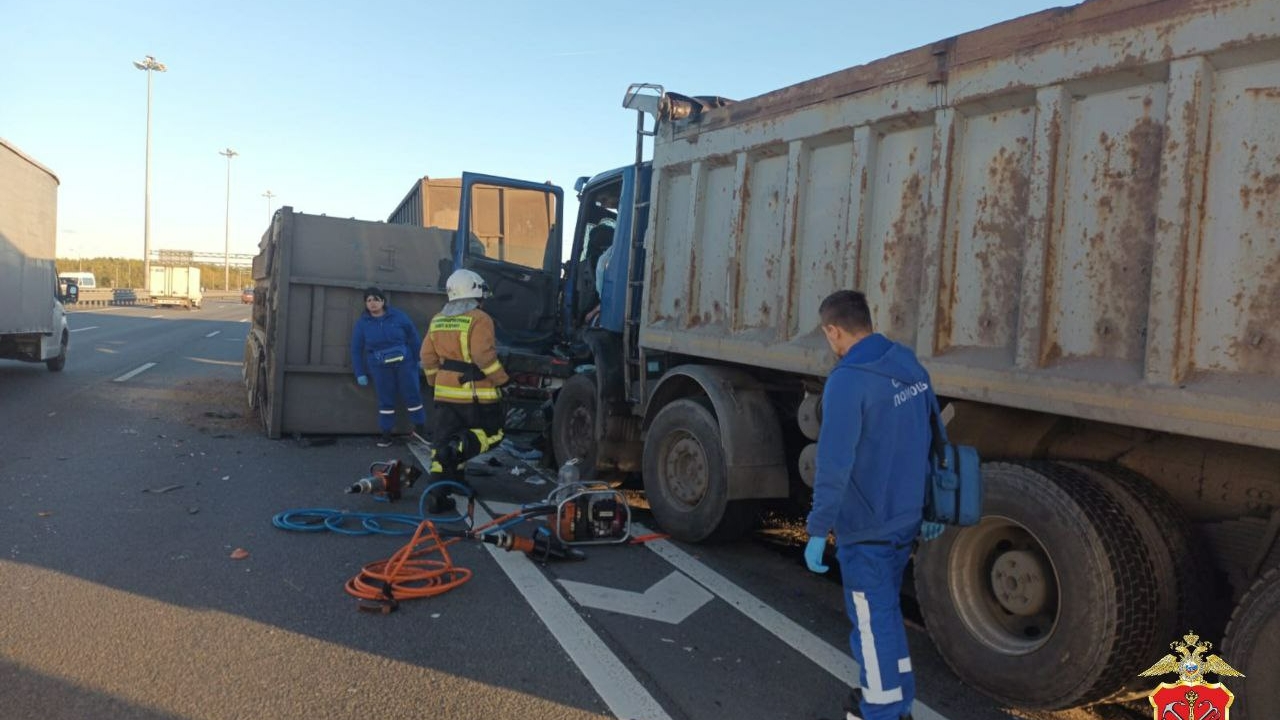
x=147, y=65
x=268, y=195
x=226, y=246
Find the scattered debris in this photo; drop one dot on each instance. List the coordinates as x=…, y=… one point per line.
x=193, y=510
x=239, y=554
x=221, y=414
x=518, y=471
x=536, y=480
x=161, y=490
x=44, y=513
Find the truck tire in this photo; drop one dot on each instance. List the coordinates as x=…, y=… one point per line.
x=1182, y=568
x=573, y=424
x=1250, y=647
x=685, y=478
x=55, y=364
x=1047, y=603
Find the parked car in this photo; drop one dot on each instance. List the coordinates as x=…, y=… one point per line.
x=246, y=296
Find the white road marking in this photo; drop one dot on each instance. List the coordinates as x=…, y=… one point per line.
x=91, y=327
x=215, y=332
x=154, y=317
x=670, y=600
x=135, y=371
x=247, y=320
x=837, y=662
x=609, y=676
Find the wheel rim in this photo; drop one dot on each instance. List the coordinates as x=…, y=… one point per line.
x=1004, y=586
x=684, y=469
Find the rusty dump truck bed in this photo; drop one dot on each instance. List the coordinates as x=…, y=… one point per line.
x=1074, y=212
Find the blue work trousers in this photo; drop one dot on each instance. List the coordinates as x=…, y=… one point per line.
x=872, y=575
x=393, y=382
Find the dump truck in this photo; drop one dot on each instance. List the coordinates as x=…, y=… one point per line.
x=1071, y=217
x=33, y=322
x=309, y=277
x=175, y=286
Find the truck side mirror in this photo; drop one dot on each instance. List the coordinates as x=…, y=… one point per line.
x=69, y=291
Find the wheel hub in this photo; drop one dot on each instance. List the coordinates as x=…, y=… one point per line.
x=581, y=431
x=1018, y=582
x=686, y=471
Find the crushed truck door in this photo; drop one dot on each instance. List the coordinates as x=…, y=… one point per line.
x=509, y=233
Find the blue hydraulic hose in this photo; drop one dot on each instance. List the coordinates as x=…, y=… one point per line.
x=362, y=523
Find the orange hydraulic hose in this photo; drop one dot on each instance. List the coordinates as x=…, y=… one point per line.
x=409, y=573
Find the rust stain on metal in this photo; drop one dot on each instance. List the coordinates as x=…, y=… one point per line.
x=1002, y=219
x=1124, y=279
x=903, y=257
x=1257, y=350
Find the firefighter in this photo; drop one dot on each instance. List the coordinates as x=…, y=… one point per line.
x=460, y=359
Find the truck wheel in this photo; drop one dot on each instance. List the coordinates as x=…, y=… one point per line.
x=573, y=424
x=1047, y=603
x=55, y=364
x=1250, y=647
x=1181, y=567
x=685, y=478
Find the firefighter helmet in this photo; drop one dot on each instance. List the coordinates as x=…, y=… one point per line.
x=464, y=284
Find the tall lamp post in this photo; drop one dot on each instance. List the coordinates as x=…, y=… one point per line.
x=226, y=246
x=268, y=195
x=147, y=65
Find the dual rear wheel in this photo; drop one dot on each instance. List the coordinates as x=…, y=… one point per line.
x=1059, y=597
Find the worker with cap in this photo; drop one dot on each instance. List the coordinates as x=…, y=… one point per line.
x=382, y=348
x=460, y=359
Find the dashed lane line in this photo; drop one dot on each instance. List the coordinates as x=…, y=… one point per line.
x=134, y=372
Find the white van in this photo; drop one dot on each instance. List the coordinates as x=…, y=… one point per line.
x=85, y=280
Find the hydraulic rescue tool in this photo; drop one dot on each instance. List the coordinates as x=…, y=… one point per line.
x=386, y=479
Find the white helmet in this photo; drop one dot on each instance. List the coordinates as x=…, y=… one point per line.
x=464, y=284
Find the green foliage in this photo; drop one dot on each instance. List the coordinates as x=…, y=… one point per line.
x=112, y=272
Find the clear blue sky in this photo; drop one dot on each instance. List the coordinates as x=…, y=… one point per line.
x=337, y=108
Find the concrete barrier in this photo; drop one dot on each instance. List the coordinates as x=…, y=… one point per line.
x=105, y=297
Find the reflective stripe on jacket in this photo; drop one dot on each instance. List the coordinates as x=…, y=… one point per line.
x=466, y=338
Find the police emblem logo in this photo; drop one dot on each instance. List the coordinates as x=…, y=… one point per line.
x=1191, y=698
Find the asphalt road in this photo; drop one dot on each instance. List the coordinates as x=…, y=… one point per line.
x=131, y=478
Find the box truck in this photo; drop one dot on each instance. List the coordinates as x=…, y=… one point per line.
x=171, y=286
x=33, y=322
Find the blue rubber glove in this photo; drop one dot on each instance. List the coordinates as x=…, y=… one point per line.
x=931, y=530
x=813, y=554
x=363, y=380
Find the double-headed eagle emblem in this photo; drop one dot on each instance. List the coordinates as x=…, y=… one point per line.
x=1190, y=663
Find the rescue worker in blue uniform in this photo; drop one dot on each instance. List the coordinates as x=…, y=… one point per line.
x=869, y=489
x=384, y=346
x=460, y=360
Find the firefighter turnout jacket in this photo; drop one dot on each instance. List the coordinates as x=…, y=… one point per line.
x=460, y=358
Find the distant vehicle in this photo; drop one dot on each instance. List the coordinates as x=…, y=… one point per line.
x=246, y=296
x=175, y=286
x=33, y=322
x=85, y=280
